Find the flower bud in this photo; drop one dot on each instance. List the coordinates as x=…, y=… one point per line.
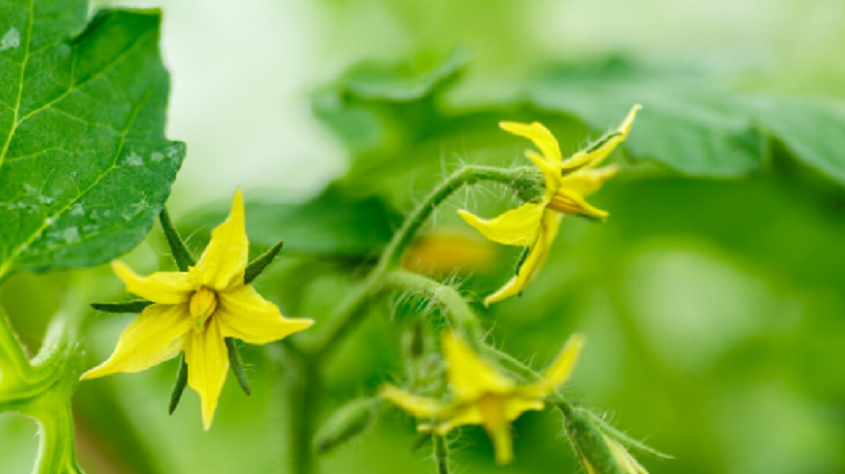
x=346, y=423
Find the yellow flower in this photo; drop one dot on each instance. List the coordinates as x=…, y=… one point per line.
x=535, y=224
x=627, y=464
x=483, y=396
x=195, y=311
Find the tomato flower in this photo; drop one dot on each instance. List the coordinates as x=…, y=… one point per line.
x=195, y=311
x=481, y=395
x=567, y=183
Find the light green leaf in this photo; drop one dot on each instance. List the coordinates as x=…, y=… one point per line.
x=84, y=164
x=688, y=123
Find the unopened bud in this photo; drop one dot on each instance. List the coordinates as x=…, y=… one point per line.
x=346, y=423
x=589, y=442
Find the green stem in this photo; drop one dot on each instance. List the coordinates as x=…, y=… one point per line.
x=56, y=454
x=458, y=311
x=348, y=314
x=13, y=359
x=304, y=393
x=440, y=453
x=303, y=398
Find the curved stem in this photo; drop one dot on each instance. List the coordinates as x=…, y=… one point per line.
x=348, y=314
x=14, y=362
x=459, y=312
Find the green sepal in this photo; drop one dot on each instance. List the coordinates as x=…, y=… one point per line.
x=122, y=307
x=347, y=422
x=257, y=266
x=588, y=441
x=415, y=342
x=237, y=364
x=179, y=386
x=181, y=255
x=626, y=440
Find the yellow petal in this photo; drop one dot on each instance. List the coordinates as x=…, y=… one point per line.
x=224, y=261
x=626, y=462
x=208, y=362
x=568, y=201
x=595, y=157
x=551, y=173
x=469, y=375
x=515, y=227
x=245, y=315
x=537, y=133
x=537, y=254
x=160, y=287
x=156, y=335
x=419, y=407
x=587, y=182
x=459, y=414
x=561, y=369
x=496, y=424
x=516, y=406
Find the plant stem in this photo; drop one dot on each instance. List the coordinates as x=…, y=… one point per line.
x=305, y=379
x=348, y=314
x=440, y=453
x=459, y=312
x=13, y=359
x=303, y=397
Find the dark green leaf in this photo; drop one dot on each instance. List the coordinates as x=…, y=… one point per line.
x=84, y=164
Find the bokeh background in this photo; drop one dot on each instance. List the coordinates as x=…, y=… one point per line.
x=714, y=307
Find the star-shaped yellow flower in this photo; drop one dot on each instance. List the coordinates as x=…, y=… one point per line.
x=535, y=224
x=483, y=396
x=195, y=311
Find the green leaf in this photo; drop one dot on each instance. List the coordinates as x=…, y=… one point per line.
x=331, y=224
x=688, y=123
x=685, y=124
x=84, y=164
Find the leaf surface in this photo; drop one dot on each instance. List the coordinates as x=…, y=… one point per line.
x=84, y=163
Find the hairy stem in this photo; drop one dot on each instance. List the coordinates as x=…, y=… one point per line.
x=303, y=405
x=348, y=314
x=304, y=393
x=440, y=454
x=458, y=311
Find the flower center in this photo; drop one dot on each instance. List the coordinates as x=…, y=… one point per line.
x=202, y=306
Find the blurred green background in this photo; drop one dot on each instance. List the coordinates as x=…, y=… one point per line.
x=712, y=298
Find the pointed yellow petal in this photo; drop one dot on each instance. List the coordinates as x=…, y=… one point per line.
x=537, y=254
x=156, y=335
x=208, y=362
x=245, y=315
x=419, y=407
x=469, y=375
x=515, y=227
x=160, y=287
x=561, y=369
x=496, y=424
x=516, y=406
x=626, y=462
x=568, y=201
x=537, y=133
x=595, y=157
x=587, y=182
x=224, y=261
